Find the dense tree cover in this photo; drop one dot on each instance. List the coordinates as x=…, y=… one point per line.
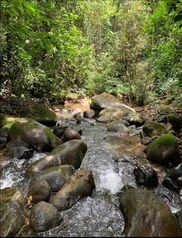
x=51, y=47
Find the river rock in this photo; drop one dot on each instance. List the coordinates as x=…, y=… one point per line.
x=11, y=210
x=18, y=149
x=163, y=150
x=176, y=120
x=55, y=176
x=146, y=177
x=71, y=153
x=147, y=215
x=79, y=185
x=59, y=130
x=70, y=134
x=117, y=126
x=33, y=133
x=154, y=128
x=43, y=216
x=102, y=101
x=39, y=191
x=134, y=118
x=173, y=178
x=111, y=114
x=11, y=195
x=41, y=113
x=89, y=114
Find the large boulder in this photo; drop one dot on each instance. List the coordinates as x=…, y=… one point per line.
x=147, y=215
x=117, y=126
x=102, y=101
x=33, y=133
x=11, y=210
x=71, y=153
x=79, y=185
x=163, y=150
x=41, y=113
x=43, y=217
x=111, y=114
x=55, y=176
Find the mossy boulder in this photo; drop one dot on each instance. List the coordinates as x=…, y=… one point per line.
x=147, y=215
x=79, y=185
x=153, y=128
x=11, y=210
x=111, y=114
x=163, y=150
x=41, y=113
x=11, y=195
x=102, y=101
x=71, y=153
x=55, y=176
x=33, y=133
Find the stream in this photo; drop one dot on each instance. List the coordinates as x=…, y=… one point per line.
x=112, y=167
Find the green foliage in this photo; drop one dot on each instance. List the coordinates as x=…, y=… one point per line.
x=164, y=51
x=50, y=47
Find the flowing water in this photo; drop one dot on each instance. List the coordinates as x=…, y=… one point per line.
x=112, y=158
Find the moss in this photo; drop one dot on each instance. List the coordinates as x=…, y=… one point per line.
x=152, y=128
x=6, y=194
x=163, y=150
x=164, y=140
x=40, y=111
x=6, y=121
x=52, y=139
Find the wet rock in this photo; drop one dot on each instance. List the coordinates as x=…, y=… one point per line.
x=176, y=120
x=39, y=191
x=89, y=114
x=117, y=126
x=147, y=215
x=19, y=149
x=111, y=114
x=59, y=130
x=173, y=178
x=134, y=118
x=153, y=128
x=79, y=185
x=163, y=150
x=55, y=176
x=70, y=134
x=33, y=133
x=11, y=195
x=43, y=216
x=70, y=153
x=146, y=177
x=11, y=210
x=11, y=219
x=102, y=101
x=3, y=135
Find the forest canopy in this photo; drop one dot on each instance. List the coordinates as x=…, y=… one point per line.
x=50, y=47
